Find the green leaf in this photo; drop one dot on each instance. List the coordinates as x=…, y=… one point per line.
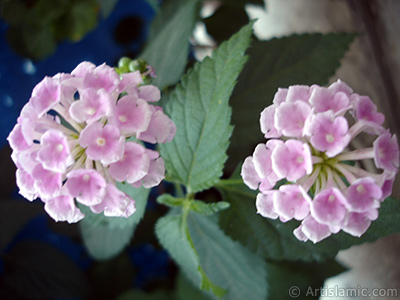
x=169, y=200
x=185, y=290
x=230, y=265
x=220, y=26
x=173, y=234
x=199, y=107
x=34, y=42
x=297, y=59
x=105, y=237
x=242, y=222
x=81, y=17
x=107, y=6
x=275, y=240
x=196, y=205
x=287, y=278
x=168, y=47
x=208, y=208
x=13, y=12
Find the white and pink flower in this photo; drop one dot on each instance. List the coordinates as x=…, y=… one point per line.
x=309, y=131
x=71, y=141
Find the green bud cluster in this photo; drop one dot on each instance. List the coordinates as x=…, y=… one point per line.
x=127, y=65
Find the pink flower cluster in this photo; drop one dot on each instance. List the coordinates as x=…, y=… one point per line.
x=325, y=185
x=80, y=134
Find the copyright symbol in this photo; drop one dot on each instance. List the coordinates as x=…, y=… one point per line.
x=294, y=291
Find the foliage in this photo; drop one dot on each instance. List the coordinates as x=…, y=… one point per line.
x=199, y=108
x=37, y=26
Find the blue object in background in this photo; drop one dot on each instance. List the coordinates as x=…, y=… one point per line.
x=152, y=264
x=38, y=229
x=122, y=33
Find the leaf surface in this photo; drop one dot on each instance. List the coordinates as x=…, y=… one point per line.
x=168, y=47
x=105, y=237
x=199, y=107
x=230, y=265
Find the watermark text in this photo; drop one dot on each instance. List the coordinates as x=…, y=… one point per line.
x=347, y=292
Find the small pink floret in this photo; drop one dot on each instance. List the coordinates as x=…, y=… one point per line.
x=93, y=105
x=363, y=195
x=325, y=99
x=366, y=110
x=17, y=139
x=63, y=208
x=267, y=122
x=115, y=203
x=265, y=205
x=102, y=143
x=292, y=160
x=131, y=115
x=291, y=202
x=357, y=224
x=329, y=134
x=156, y=172
x=47, y=183
x=26, y=184
x=312, y=230
x=298, y=93
x=45, y=95
x=133, y=165
x=150, y=93
x=387, y=152
x=290, y=118
x=86, y=185
x=160, y=130
x=329, y=207
x=55, y=154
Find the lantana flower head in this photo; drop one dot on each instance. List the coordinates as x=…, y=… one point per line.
x=321, y=182
x=81, y=133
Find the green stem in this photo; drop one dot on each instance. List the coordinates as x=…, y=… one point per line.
x=178, y=190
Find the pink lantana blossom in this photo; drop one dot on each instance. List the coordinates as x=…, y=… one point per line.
x=103, y=143
x=17, y=139
x=93, y=105
x=292, y=160
x=290, y=118
x=335, y=98
x=265, y=205
x=96, y=145
x=309, y=131
x=54, y=153
x=133, y=165
x=291, y=202
x=86, y=185
x=131, y=115
x=115, y=204
x=257, y=171
x=63, y=208
x=328, y=133
x=45, y=95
